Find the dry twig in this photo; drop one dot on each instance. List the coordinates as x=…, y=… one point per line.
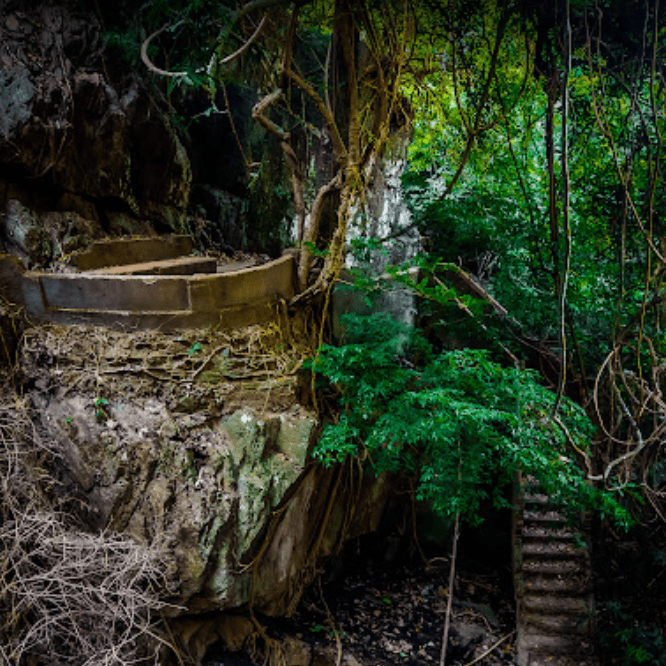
x=67, y=596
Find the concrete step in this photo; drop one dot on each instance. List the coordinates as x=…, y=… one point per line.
x=551, y=604
x=541, y=531
x=541, y=516
x=563, y=661
x=553, y=550
x=130, y=250
x=552, y=625
x=177, y=266
x=574, y=584
x=558, y=567
x=536, y=499
x=538, y=643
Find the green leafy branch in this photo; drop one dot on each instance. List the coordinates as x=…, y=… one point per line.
x=457, y=421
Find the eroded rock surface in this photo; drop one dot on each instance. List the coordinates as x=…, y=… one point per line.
x=194, y=442
x=78, y=137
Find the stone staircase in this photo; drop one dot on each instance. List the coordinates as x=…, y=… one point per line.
x=553, y=585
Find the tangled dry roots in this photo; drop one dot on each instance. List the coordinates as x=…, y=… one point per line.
x=66, y=596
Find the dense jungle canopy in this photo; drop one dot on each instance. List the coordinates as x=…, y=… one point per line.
x=530, y=137
x=533, y=134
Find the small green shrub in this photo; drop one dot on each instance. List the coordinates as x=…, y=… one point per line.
x=100, y=412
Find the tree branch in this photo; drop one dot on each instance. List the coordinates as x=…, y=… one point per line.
x=339, y=148
x=305, y=258
x=146, y=60
x=257, y=4
x=266, y=123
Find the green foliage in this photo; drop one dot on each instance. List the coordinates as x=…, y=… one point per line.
x=196, y=347
x=495, y=221
x=460, y=423
x=100, y=412
x=634, y=641
x=316, y=252
x=496, y=224
x=193, y=27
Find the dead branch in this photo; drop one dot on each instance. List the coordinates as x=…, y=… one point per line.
x=449, y=601
x=66, y=596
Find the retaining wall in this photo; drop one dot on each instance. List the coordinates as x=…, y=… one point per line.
x=239, y=298
x=124, y=251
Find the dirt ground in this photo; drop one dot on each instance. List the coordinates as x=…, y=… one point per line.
x=386, y=613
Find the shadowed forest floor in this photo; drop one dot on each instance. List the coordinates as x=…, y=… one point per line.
x=386, y=614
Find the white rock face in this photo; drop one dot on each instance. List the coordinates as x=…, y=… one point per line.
x=387, y=216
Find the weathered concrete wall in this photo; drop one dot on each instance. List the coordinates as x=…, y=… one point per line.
x=43, y=293
x=123, y=251
x=229, y=299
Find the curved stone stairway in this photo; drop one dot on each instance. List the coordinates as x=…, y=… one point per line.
x=554, y=600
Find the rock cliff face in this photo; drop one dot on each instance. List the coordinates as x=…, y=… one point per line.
x=194, y=443
x=201, y=489
x=83, y=147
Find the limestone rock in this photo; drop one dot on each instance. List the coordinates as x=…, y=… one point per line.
x=202, y=492
x=80, y=136
x=24, y=234
x=38, y=239
x=215, y=472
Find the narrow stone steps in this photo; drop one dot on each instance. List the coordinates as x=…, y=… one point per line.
x=544, y=517
x=547, y=532
x=556, y=644
x=552, y=550
x=553, y=585
x=553, y=568
x=563, y=660
x=551, y=604
x=574, y=584
x=551, y=648
x=557, y=624
x=538, y=499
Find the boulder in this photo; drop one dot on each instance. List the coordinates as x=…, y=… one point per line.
x=217, y=475
x=202, y=492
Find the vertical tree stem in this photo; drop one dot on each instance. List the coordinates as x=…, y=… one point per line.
x=563, y=280
x=452, y=578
